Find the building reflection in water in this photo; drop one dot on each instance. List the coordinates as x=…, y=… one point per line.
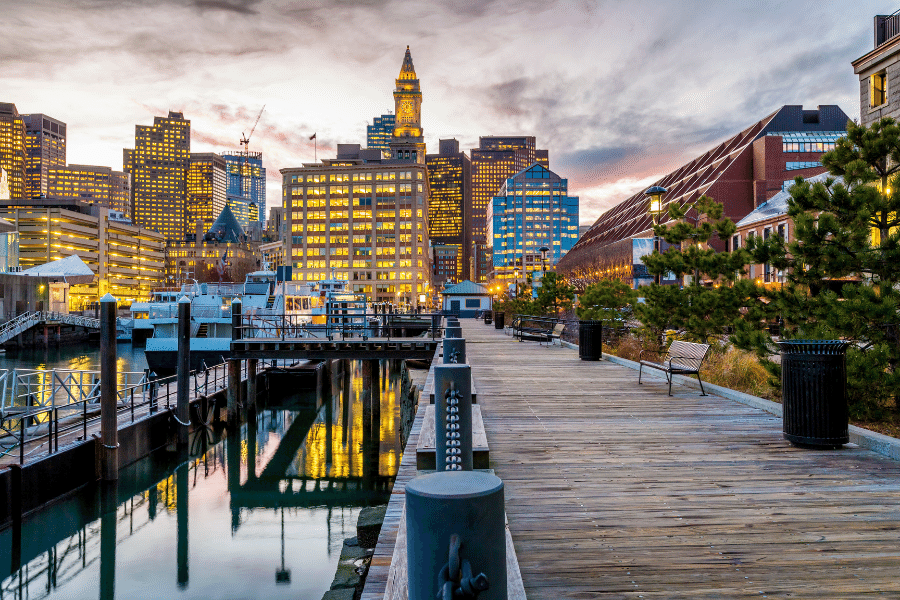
x=297, y=456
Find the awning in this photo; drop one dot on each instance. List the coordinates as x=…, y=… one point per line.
x=70, y=269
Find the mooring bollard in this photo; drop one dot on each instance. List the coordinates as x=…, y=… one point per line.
x=453, y=417
x=182, y=405
x=454, y=350
x=456, y=537
x=109, y=427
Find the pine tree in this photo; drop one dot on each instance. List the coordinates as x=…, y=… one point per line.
x=843, y=266
x=710, y=301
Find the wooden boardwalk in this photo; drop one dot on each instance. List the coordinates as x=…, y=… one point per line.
x=615, y=490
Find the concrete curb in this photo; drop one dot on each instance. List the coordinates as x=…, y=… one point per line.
x=864, y=438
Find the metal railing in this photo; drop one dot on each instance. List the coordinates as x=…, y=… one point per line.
x=15, y=326
x=886, y=27
x=38, y=406
x=337, y=324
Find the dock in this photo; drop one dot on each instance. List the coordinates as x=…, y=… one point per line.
x=616, y=490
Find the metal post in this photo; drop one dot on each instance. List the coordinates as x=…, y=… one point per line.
x=251, y=381
x=454, y=350
x=234, y=366
x=456, y=536
x=109, y=431
x=182, y=407
x=453, y=417
x=453, y=331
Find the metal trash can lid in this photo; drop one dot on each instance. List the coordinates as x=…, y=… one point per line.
x=813, y=346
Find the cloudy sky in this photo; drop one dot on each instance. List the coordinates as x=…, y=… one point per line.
x=621, y=92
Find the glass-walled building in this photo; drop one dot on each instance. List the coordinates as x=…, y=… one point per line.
x=532, y=210
x=380, y=132
x=245, y=184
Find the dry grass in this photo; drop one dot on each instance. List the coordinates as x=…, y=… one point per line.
x=731, y=368
x=738, y=370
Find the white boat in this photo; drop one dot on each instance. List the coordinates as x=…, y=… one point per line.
x=265, y=304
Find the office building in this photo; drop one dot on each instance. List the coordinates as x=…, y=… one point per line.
x=741, y=173
x=532, y=210
x=92, y=184
x=380, y=132
x=13, y=156
x=494, y=161
x=245, y=211
x=158, y=166
x=879, y=72
x=127, y=260
x=450, y=183
x=220, y=251
x=246, y=183
x=45, y=146
x=205, y=187
x=275, y=225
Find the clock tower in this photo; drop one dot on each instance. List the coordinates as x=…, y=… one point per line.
x=407, y=142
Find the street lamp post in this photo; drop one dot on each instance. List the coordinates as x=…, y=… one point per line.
x=544, y=251
x=655, y=208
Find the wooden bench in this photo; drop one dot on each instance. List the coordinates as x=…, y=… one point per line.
x=682, y=358
x=558, y=330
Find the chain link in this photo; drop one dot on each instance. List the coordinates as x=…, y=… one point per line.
x=455, y=581
x=453, y=452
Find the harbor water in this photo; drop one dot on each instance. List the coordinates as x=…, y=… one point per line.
x=258, y=512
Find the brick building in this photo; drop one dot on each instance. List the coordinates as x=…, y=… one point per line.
x=742, y=173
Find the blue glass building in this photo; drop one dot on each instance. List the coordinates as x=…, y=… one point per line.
x=246, y=181
x=531, y=211
x=380, y=132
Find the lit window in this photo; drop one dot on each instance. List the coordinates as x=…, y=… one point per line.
x=878, y=89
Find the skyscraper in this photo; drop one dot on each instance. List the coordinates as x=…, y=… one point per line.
x=450, y=181
x=245, y=182
x=407, y=142
x=380, y=132
x=45, y=146
x=159, y=165
x=364, y=215
x=98, y=185
x=205, y=187
x=12, y=150
x=495, y=160
x=531, y=211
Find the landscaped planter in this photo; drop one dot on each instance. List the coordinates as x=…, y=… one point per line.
x=814, y=392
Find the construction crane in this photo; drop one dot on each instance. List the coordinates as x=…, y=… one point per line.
x=246, y=180
x=245, y=139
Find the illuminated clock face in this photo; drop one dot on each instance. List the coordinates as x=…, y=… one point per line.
x=406, y=107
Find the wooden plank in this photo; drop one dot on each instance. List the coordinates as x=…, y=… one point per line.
x=425, y=449
x=616, y=490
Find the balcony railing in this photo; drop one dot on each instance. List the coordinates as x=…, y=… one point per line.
x=886, y=27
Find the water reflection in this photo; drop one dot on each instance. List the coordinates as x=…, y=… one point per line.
x=257, y=512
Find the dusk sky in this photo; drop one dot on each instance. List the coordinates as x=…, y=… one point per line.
x=620, y=92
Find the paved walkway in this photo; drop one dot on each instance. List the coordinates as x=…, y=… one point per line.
x=615, y=490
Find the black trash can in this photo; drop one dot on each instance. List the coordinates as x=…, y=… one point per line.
x=814, y=392
x=499, y=320
x=590, y=340
x=487, y=317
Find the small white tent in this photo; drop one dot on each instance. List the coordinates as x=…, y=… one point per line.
x=70, y=269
